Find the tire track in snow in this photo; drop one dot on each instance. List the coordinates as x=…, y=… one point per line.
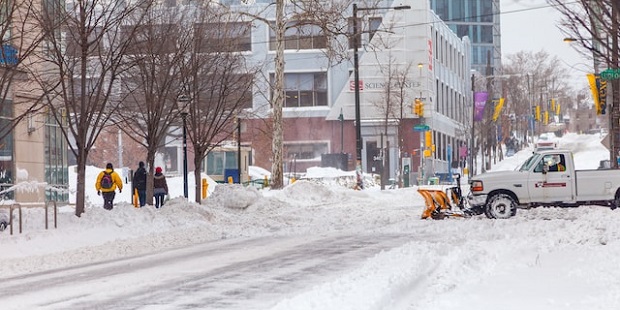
x=216, y=276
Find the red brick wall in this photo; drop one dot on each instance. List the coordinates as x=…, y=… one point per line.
x=258, y=135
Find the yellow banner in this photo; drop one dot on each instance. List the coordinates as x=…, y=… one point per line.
x=498, y=109
x=594, y=90
x=598, y=87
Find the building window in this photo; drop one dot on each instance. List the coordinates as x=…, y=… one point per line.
x=53, y=10
x=5, y=9
x=231, y=37
x=487, y=34
x=373, y=26
x=56, y=165
x=305, y=151
x=7, y=163
x=487, y=12
x=240, y=94
x=157, y=39
x=92, y=85
x=219, y=161
x=304, y=89
x=302, y=37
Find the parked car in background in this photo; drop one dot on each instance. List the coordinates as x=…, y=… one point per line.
x=547, y=141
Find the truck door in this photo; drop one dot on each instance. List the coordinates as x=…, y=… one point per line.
x=551, y=180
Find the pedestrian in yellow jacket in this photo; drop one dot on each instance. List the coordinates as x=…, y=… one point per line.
x=107, y=182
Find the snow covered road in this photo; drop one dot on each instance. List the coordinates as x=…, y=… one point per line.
x=237, y=274
x=316, y=247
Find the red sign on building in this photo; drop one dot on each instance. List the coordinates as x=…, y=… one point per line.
x=352, y=85
x=430, y=55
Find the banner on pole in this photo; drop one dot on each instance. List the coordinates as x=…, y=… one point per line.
x=480, y=100
x=498, y=109
x=598, y=87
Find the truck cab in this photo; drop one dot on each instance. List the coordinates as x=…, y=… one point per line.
x=551, y=179
x=547, y=178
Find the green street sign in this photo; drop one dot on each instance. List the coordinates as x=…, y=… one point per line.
x=421, y=127
x=610, y=74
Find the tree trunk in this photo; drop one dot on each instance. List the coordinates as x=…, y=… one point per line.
x=277, y=181
x=198, y=158
x=81, y=184
x=150, y=159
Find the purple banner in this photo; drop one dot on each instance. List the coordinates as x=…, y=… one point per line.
x=463, y=151
x=480, y=100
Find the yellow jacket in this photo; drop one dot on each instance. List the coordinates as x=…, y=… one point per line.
x=116, y=182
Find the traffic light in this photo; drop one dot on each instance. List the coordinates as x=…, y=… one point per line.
x=418, y=107
x=428, y=138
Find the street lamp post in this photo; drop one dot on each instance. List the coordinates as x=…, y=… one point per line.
x=239, y=149
x=356, y=76
x=184, y=101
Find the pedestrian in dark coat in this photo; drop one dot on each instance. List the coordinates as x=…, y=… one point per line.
x=139, y=183
x=160, y=187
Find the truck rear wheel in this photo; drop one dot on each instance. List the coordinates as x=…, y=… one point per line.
x=500, y=206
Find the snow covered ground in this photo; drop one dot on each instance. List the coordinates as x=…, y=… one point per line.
x=544, y=258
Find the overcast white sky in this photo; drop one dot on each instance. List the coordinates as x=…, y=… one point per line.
x=531, y=25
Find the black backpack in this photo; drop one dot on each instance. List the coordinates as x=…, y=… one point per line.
x=106, y=180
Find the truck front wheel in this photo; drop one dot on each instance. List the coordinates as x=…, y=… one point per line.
x=616, y=203
x=500, y=206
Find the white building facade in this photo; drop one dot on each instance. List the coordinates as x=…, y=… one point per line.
x=404, y=55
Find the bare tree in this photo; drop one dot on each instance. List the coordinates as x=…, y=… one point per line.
x=152, y=84
x=217, y=80
x=595, y=25
x=84, y=45
x=392, y=107
x=528, y=76
x=327, y=16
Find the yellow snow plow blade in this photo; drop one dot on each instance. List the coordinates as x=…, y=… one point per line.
x=438, y=205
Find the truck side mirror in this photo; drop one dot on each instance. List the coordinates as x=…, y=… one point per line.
x=545, y=169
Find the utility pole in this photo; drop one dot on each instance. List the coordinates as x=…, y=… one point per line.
x=614, y=115
x=472, y=147
x=356, y=76
x=486, y=145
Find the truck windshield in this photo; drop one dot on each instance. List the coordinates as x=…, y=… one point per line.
x=529, y=163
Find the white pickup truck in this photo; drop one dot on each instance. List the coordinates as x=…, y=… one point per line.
x=547, y=178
